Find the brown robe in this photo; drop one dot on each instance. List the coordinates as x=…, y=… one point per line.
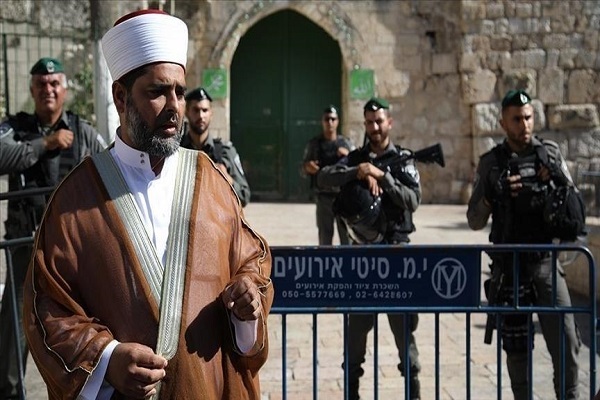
x=85, y=287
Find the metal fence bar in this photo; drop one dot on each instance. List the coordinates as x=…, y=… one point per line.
x=437, y=356
x=11, y=287
x=588, y=309
x=339, y=307
x=10, y=284
x=468, y=354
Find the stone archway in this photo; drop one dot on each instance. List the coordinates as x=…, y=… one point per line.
x=285, y=70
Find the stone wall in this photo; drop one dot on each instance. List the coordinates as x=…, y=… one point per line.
x=443, y=64
x=549, y=48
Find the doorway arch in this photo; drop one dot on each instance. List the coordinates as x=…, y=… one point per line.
x=285, y=70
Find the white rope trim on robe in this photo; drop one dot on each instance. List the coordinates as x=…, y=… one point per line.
x=118, y=191
x=179, y=229
x=170, y=298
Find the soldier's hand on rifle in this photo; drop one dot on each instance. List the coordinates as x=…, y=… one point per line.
x=311, y=167
x=507, y=184
x=373, y=186
x=514, y=184
x=59, y=139
x=367, y=169
x=342, y=151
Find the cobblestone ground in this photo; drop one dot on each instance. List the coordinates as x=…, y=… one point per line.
x=294, y=224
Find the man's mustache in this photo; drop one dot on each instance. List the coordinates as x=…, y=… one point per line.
x=170, y=118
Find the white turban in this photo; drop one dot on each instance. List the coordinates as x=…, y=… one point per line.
x=144, y=37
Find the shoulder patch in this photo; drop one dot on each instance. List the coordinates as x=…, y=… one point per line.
x=238, y=164
x=403, y=152
x=5, y=129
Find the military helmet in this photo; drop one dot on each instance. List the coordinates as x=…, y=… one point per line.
x=361, y=212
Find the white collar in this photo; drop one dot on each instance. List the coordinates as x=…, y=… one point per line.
x=132, y=157
x=138, y=159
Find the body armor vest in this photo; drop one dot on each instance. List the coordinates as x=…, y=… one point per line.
x=520, y=219
x=399, y=221
x=25, y=213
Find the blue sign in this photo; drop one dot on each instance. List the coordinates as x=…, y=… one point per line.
x=368, y=276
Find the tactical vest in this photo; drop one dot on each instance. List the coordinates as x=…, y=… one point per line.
x=25, y=213
x=399, y=220
x=327, y=154
x=328, y=151
x=520, y=219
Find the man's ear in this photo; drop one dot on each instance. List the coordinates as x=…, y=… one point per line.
x=501, y=122
x=119, y=96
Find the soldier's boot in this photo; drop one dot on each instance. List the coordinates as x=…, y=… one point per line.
x=415, y=388
x=353, y=389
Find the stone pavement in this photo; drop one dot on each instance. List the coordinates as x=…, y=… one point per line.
x=285, y=224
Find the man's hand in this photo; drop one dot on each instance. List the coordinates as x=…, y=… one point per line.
x=243, y=299
x=134, y=370
x=505, y=185
x=311, y=167
x=373, y=186
x=342, y=152
x=367, y=169
x=514, y=184
x=544, y=173
x=59, y=139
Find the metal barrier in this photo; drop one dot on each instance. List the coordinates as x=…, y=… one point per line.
x=9, y=283
x=434, y=280
x=10, y=287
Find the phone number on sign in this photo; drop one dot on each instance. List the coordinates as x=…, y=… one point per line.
x=359, y=294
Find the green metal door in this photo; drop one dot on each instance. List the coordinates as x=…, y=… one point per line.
x=285, y=71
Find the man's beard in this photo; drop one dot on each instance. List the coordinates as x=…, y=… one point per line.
x=146, y=140
x=193, y=128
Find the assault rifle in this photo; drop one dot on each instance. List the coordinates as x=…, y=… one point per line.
x=428, y=155
x=355, y=199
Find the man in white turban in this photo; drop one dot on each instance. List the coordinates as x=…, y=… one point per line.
x=146, y=281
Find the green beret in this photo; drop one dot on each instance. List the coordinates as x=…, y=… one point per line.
x=330, y=109
x=375, y=104
x=198, y=94
x=46, y=66
x=515, y=98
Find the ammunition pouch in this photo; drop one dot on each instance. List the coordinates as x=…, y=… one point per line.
x=515, y=327
x=515, y=332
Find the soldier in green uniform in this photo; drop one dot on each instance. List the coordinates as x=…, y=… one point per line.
x=198, y=112
x=38, y=150
x=325, y=149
